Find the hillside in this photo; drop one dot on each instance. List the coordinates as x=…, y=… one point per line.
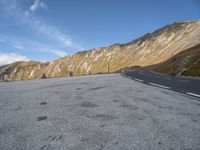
x=151, y=49
x=184, y=63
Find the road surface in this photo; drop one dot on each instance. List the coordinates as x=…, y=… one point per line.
x=102, y=112
x=186, y=85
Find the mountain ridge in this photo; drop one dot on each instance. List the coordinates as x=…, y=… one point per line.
x=150, y=49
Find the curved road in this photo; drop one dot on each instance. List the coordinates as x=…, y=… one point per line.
x=186, y=85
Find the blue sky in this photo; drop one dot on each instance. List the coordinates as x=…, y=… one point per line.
x=45, y=30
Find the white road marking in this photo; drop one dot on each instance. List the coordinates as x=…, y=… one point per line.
x=158, y=85
x=139, y=80
x=183, y=80
x=193, y=94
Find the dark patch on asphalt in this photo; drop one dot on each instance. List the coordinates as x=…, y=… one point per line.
x=79, y=88
x=157, y=98
x=4, y=130
x=87, y=104
x=103, y=117
x=184, y=114
x=85, y=83
x=139, y=91
x=43, y=103
x=97, y=88
x=46, y=147
x=57, y=92
x=116, y=142
x=102, y=125
x=165, y=107
x=41, y=118
x=116, y=101
x=79, y=97
x=194, y=120
x=54, y=138
x=7, y=129
x=128, y=106
x=18, y=108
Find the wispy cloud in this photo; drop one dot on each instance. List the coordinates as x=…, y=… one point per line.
x=37, y=5
x=27, y=44
x=28, y=18
x=7, y=58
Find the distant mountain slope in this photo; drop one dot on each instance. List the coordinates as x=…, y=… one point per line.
x=22, y=70
x=184, y=63
x=151, y=49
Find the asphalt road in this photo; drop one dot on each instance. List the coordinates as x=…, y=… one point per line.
x=102, y=112
x=186, y=85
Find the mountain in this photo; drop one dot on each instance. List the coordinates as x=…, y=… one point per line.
x=151, y=49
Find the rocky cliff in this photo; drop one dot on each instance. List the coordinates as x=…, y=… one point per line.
x=152, y=48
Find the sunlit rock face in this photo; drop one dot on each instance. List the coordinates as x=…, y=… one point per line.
x=151, y=49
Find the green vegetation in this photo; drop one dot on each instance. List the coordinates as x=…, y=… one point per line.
x=194, y=70
x=186, y=63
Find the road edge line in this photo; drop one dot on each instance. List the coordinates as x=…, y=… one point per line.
x=158, y=85
x=193, y=94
